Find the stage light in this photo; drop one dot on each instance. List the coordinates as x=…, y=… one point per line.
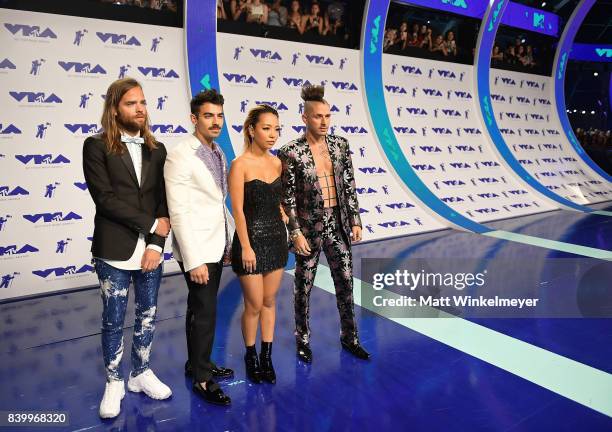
x=543, y=4
x=595, y=74
x=574, y=110
x=592, y=112
x=583, y=112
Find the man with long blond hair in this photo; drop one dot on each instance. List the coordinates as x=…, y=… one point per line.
x=123, y=168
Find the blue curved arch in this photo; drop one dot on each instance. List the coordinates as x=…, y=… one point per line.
x=371, y=63
x=559, y=67
x=201, y=55
x=484, y=47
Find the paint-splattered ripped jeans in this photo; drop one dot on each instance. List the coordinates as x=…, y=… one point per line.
x=114, y=284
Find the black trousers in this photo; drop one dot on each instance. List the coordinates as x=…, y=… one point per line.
x=200, y=322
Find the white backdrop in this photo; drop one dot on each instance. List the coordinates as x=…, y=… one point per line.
x=524, y=108
x=52, y=99
x=432, y=109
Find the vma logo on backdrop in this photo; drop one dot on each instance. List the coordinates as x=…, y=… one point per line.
x=233, y=78
x=168, y=129
x=35, y=97
x=82, y=68
x=59, y=272
x=269, y=55
x=411, y=70
x=7, y=64
x=319, y=60
x=9, y=129
x=344, y=86
x=395, y=89
x=83, y=128
x=456, y=3
x=296, y=82
x=7, y=191
x=30, y=31
x=14, y=250
x=49, y=218
x=279, y=106
x=118, y=39
x=42, y=159
x=153, y=72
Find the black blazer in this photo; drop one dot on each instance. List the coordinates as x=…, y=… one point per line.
x=124, y=210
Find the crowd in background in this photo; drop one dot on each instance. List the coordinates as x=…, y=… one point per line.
x=162, y=5
x=598, y=144
x=406, y=38
x=312, y=17
x=516, y=54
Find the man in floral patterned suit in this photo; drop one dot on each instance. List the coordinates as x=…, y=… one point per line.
x=320, y=199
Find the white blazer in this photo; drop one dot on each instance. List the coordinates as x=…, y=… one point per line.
x=196, y=206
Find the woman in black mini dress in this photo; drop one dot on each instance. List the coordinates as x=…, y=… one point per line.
x=259, y=248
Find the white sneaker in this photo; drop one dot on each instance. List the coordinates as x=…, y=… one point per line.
x=148, y=383
x=111, y=401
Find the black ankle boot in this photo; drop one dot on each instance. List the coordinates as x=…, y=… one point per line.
x=251, y=363
x=265, y=359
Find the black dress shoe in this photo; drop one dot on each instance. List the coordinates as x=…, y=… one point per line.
x=356, y=349
x=217, y=371
x=221, y=372
x=212, y=393
x=265, y=362
x=304, y=352
x=251, y=364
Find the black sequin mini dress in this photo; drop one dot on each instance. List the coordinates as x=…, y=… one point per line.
x=267, y=232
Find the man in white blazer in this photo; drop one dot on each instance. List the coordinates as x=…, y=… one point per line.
x=196, y=188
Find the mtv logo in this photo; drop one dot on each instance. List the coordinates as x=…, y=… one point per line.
x=411, y=70
x=240, y=78
x=538, y=20
x=118, y=39
x=296, y=82
x=63, y=271
x=40, y=159
x=446, y=74
x=432, y=92
x=319, y=60
x=416, y=111
x=372, y=170
x=456, y=3
x=452, y=199
x=354, y=130
x=430, y=149
x=157, y=72
x=10, y=129
x=12, y=250
x=7, y=191
x=52, y=217
x=279, y=106
x=30, y=31
x=366, y=191
x=400, y=205
x=7, y=64
x=83, y=128
x=84, y=68
x=404, y=130
x=460, y=165
x=395, y=89
x=344, y=85
x=423, y=167
x=462, y=94
x=604, y=52
x=35, y=97
x=265, y=54
x=167, y=129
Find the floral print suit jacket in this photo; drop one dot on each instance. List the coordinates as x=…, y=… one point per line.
x=302, y=195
